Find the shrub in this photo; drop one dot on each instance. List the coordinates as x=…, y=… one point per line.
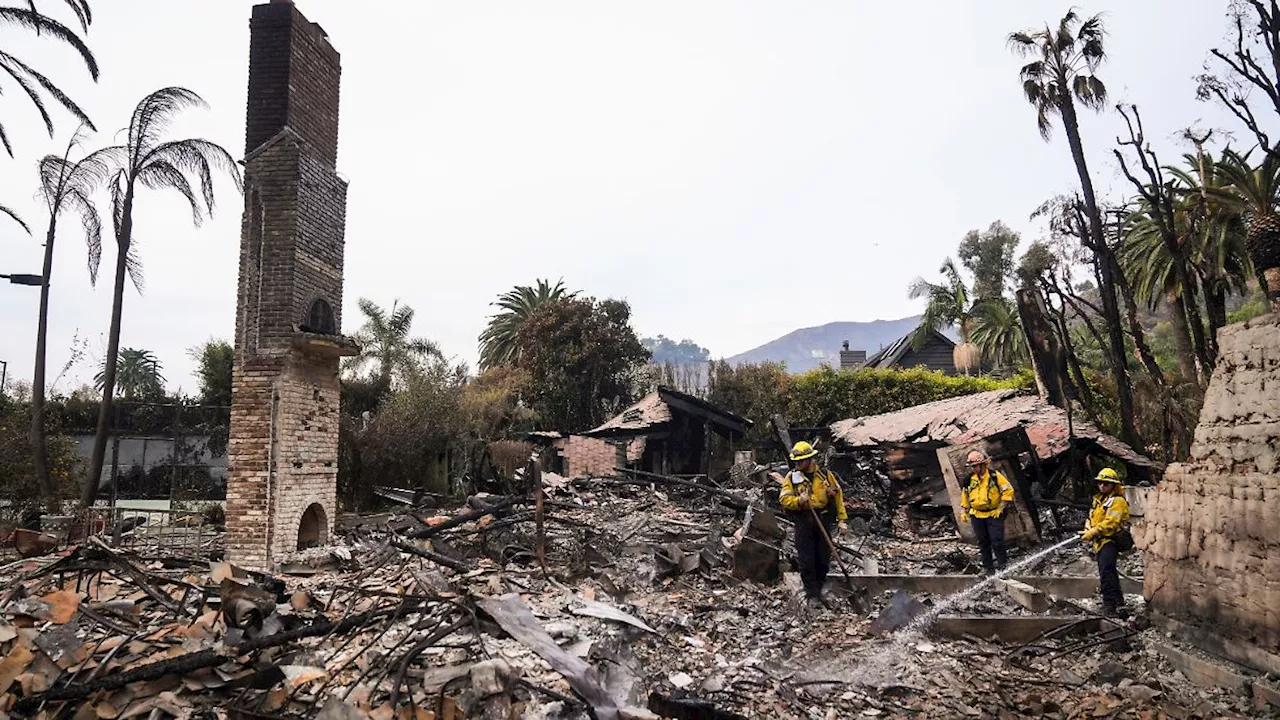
x=825, y=395
x=17, y=461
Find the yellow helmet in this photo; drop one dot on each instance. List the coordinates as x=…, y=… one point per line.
x=1109, y=476
x=802, y=451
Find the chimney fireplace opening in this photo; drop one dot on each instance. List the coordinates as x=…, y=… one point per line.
x=313, y=530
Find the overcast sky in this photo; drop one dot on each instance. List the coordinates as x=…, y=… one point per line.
x=734, y=169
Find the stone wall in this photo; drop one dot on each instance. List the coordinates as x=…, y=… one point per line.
x=1212, y=527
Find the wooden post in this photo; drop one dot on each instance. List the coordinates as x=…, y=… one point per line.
x=539, y=512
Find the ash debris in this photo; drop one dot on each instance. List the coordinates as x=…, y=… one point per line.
x=641, y=612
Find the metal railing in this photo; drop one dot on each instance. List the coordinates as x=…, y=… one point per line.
x=184, y=533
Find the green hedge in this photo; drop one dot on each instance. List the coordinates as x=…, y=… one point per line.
x=825, y=395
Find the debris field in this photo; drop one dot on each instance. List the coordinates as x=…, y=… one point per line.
x=604, y=598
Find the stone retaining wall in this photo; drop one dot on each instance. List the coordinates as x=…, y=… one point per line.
x=1212, y=527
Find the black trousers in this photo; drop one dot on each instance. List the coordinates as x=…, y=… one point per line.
x=813, y=553
x=1109, y=576
x=990, y=534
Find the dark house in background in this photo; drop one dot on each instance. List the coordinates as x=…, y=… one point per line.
x=672, y=433
x=935, y=354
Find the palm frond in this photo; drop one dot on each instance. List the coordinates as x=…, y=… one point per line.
x=30, y=90
x=8, y=212
x=83, y=13
x=133, y=264
x=11, y=64
x=153, y=116
x=200, y=158
x=160, y=175
x=91, y=221
x=1022, y=43
x=39, y=23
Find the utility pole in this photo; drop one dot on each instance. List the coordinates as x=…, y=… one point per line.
x=37, y=385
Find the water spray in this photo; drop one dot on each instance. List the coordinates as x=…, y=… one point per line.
x=879, y=667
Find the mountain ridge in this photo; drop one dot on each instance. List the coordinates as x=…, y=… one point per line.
x=807, y=348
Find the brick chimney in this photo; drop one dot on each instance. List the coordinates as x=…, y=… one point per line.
x=282, y=456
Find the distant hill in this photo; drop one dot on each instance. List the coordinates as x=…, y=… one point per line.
x=808, y=348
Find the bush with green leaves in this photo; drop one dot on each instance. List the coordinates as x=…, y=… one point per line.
x=822, y=396
x=17, y=460
x=825, y=395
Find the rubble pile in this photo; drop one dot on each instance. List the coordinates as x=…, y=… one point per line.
x=637, y=614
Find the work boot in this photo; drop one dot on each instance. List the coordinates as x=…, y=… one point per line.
x=814, y=604
x=1110, y=611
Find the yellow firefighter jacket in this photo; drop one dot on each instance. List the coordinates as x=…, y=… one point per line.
x=1107, y=517
x=986, y=496
x=815, y=485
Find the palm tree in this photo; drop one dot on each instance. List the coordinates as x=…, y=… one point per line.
x=997, y=332
x=159, y=165
x=498, y=341
x=1219, y=253
x=64, y=186
x=385, y=343
x=32, y=82
x=1063, y=71
x=1149, y=267
x=948, y=304
x=138, y=375
x=1254, y=190
x=1211, y=235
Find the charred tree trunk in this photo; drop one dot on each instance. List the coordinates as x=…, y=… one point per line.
x=1215, y=301
x=1047, y=357
x=1139, y=335
x=1107, y=286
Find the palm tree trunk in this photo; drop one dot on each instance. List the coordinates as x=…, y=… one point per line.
x=1215, y=303
x=90, y=489
x=1107, y=288
x=1182, y=337
x=39, y=444
x=1191, y=307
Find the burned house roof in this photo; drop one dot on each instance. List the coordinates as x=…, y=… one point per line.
x=655, y=411
x=970, y=417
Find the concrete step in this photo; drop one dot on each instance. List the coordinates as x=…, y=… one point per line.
x=1011, y=628
x=1063, y=587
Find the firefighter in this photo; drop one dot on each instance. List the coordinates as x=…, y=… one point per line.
x=808, y=491
x=1106, y=530
x=984, y=500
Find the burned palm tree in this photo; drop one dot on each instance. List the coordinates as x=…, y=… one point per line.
x=147, y=160
x=66, y=186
